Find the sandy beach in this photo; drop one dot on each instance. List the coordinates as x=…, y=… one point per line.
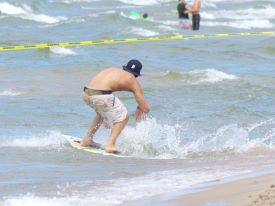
x=254, y=191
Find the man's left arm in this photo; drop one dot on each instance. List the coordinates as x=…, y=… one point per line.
x=143, y=106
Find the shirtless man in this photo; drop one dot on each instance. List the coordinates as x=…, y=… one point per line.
x=98, y=95
x=195, y=10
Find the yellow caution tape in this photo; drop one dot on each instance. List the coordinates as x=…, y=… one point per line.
x=115, y=41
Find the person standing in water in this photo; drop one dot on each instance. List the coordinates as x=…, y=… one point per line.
x=98, y=94
x=195, y=11
x=183, y=17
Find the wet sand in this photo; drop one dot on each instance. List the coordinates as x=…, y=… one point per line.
x=254, y=191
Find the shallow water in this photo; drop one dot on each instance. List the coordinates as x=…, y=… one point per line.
x=212, y=100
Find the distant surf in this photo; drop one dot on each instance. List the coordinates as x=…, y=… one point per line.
x=201, y=76
x=10, y=92
x=25, y=12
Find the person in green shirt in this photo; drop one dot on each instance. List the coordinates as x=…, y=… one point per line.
x=137, y=16
x=183, y=16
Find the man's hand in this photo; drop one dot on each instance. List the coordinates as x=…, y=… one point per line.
x=139, y=114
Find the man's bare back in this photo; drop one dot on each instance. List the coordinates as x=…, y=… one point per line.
x=113, y=79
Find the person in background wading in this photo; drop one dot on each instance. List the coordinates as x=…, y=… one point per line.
x=183, y=17
x=195, y=11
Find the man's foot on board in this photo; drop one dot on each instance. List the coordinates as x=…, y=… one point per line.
x=112, y=149
x=90, y=144
x=95, y=144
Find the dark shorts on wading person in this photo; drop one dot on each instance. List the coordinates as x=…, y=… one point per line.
x=106, y=104
x=196, y=21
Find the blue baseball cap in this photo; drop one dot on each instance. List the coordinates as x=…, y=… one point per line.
x=133, y=66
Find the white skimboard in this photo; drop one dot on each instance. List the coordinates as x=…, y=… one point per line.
x=75, y=142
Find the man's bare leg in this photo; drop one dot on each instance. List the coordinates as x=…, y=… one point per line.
x=88, y=139
x=117, y=128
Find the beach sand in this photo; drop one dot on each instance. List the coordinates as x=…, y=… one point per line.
x=254, y=191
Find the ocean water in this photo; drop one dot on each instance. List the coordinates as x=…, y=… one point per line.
x=212, y=100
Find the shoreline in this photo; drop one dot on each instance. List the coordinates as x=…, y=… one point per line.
x=248, y=191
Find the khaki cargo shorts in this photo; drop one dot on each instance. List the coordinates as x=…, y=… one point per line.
x=108, y=106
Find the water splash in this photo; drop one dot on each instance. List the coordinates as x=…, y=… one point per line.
x=150, y=139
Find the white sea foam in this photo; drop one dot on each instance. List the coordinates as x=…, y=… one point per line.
x=140, y=31
x=233, y=1
x=268, y=12
x=102, y=13
x=145, y=2
x=51, y=139
x=25, y=12
x=208, y=16
x=140, y=2
x=201, y=76
x=210, y=76
x=242, y=18
x=7, y=8
x=150, y=139
x=106, y=192
x=154, y=140
x=167, y=28
x=234, y=137
x=77, y=1
x=42, y=18
x=10, y=92
x=242, y=24
x=209, y=4
x=62, y=51
x=169, y=22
